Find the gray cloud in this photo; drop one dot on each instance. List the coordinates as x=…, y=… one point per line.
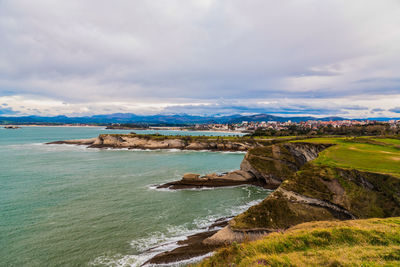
x=7, y=111
x=355, y=107
x=395, y=110
x=186, y=51
x=243, y=107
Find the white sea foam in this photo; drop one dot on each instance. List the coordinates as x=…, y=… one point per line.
x=233, y=152
x=150, y=246
x=154, y=187
x=123, y=261
x=183, y=262
x=159, y=242
x=86, y=147
x=206, y=221
x=139, y=260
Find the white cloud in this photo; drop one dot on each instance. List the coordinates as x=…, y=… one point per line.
x=156, y=54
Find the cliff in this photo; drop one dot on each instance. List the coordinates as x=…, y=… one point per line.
x=371, y=242
x=265, y=166
x=275, y=163
x=308, y=192
x=154, y=141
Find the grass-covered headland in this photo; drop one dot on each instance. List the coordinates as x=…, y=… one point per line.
x=341, y=208
x=371, y=242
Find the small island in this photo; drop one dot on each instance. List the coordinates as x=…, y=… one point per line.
x=13, y=127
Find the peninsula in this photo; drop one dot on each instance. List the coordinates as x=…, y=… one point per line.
x=157, y=141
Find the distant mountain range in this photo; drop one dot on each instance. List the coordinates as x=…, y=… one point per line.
x=183, y=119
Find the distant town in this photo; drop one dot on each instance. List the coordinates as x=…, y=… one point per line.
x=287, y=128
x=251, y=126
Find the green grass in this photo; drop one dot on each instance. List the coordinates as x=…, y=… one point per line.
x=263, y=141
x=365, y=154
x=343, y=174
x=372, y=242
x=391, y=141
x=324, y=140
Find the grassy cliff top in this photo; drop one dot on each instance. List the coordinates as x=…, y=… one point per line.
x=380, y=155
x=262, y=141
x=372, y=242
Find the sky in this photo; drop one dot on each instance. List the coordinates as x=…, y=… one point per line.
x=200, y=57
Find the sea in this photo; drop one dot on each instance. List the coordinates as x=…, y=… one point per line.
x=68, y=205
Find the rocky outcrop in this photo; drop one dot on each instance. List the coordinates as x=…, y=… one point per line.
x=316, y=193
x=265, y=166
x=191, y=180
x=136, y=141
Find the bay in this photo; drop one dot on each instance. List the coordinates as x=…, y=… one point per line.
x=66, y=205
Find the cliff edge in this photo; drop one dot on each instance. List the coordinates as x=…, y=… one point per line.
x=308, y=192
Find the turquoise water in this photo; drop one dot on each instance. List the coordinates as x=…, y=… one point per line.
x=65, y=205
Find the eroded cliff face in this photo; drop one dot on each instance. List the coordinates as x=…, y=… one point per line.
x=134, y=141
x=265, y=166
x=312, y=193
x=276, y=163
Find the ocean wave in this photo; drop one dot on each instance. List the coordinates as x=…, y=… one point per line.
x=204, y=188
x=170, y=150
x=158, y=242
x=150, y=246
x=183, y=262
x=58, y=147
x=207, y=221
x=155, y=187
x=233, y=152
x=122, y=261
x=140, y=260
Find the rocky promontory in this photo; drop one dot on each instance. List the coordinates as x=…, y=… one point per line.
x=193, y=180
x=154, y=141
x=265, y=166
x=305, y=192
x=315, y=193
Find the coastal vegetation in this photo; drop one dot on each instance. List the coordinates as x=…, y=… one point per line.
x=312, y=212
x=372, y=129
x=368, y=242
x=379, y=155
x=351, y=173
x=213, y=138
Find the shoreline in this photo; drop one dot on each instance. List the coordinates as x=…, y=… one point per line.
x=153, y=141
x=190, y=248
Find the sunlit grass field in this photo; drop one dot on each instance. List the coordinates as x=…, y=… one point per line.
x=388, y=141
x=379, y=155
x=372, y=242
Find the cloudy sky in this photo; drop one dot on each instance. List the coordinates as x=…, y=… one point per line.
x=301, y=57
